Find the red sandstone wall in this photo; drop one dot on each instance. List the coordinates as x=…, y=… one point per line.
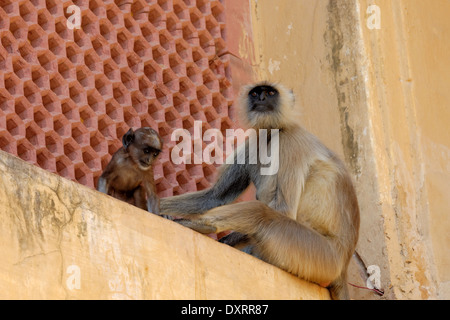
x=68, y=96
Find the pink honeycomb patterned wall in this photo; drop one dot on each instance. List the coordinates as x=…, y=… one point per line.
x=67, y=96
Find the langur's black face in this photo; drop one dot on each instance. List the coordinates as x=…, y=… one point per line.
x=263, y=99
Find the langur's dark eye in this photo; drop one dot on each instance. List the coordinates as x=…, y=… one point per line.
x=271, y=93
x=253, y=94
x=147, y=150
x=156, y=153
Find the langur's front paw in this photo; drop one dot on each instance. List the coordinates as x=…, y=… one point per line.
x=165, y=216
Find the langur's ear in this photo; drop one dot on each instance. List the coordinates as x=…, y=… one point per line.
x=128, y=138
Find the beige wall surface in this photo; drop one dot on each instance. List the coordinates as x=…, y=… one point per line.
x=409, y=76
x=61, y=240
x=430, y=71
x=376, y=92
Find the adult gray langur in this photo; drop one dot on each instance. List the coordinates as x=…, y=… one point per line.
x=306, y=216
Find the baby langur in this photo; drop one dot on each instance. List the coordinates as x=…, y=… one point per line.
x=129, y=174
x=306, y=217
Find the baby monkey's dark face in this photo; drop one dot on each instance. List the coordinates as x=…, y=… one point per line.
x=143, y=145
x=263, y=99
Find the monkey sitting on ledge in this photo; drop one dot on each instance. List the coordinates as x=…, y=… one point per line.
x=306, y=218
x=129, y=174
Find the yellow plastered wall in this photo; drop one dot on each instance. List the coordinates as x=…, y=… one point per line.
x=61, y=240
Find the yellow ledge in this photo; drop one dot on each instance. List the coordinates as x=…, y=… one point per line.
x=61, y=240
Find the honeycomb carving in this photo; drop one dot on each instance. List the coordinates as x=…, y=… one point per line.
x=68, y=95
